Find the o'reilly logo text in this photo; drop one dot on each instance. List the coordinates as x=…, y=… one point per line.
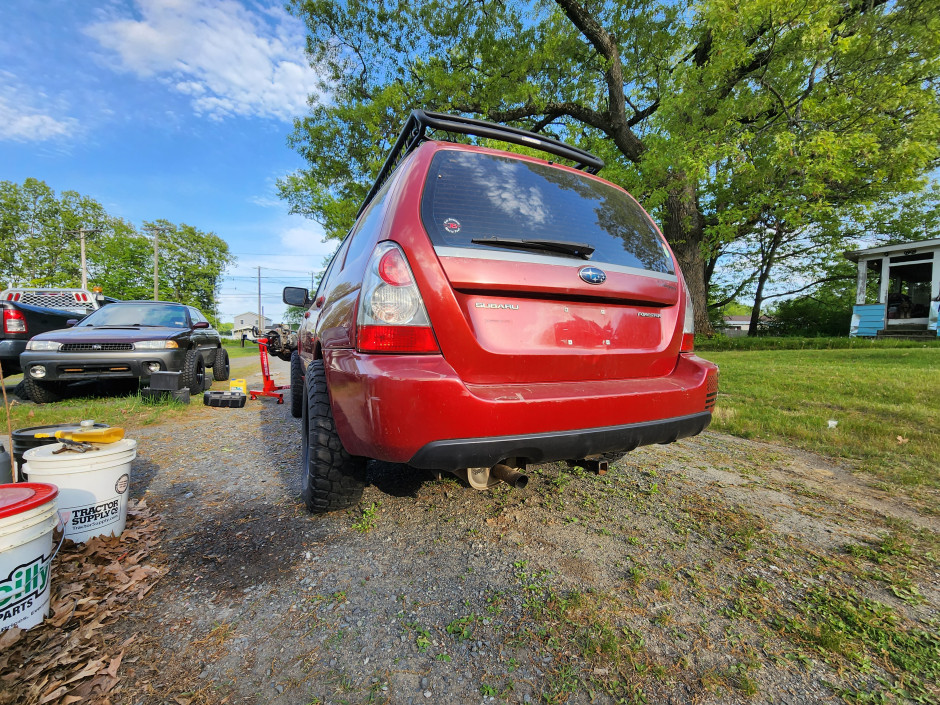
x=95, y=513
x=24, y=584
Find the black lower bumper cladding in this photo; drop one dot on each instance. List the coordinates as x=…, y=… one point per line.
x=559, y=445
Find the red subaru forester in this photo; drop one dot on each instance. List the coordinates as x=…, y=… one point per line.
x=489, y=310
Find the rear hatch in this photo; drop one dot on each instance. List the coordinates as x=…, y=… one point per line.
x=557, y=276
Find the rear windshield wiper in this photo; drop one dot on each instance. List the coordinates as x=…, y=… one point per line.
x=578, y=249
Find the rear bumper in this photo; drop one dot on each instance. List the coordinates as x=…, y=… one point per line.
x=559, y=445
x=415, y=409
x=68, y=367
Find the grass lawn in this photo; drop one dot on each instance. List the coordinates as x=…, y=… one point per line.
x=119, y=409
x=884, y=401
x=235, y=348
x=122, y=410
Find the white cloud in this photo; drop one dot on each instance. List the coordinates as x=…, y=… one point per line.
x=229, y=59
x=25, y=115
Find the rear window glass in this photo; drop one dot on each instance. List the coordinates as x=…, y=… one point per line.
x=470, y=195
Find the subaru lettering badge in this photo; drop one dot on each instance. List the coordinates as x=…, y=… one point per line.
x=592, y=275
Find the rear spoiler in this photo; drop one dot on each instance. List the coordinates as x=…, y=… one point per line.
x=419, y=122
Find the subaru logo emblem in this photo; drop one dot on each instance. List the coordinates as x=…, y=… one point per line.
x=592, y=275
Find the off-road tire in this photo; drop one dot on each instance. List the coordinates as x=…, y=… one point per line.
x=296, y=386
x=43, y=392
x=220, y=367
x=20, y=390
x=194, y=373
x=332, y=479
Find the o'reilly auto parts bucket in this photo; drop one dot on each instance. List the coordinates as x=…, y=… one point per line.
x=27, y=519
x=93, y=486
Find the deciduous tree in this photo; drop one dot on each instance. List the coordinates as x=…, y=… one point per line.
x=684, y=101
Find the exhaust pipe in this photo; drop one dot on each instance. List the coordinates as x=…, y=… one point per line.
x=509, y=475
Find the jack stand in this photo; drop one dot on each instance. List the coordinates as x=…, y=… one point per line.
x=270, y=389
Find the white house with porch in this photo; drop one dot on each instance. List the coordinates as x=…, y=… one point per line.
x=243, y=323
x=898, y=290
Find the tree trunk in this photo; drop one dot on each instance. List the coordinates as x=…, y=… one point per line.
x=684, y=229
x=762, y=278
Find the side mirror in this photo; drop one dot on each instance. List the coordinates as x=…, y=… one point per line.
x=296, y=296
x=200, y=324
x=71, y=322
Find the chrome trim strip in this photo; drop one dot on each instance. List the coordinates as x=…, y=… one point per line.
x=534, y=258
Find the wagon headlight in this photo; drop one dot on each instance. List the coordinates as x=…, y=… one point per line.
x=43, y=345
x=155, y=344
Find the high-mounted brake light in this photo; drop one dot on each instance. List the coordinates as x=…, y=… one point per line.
x=392, y=317
x=13, y=321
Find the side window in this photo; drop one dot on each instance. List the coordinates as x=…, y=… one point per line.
x=333, y=267
x=362, y=232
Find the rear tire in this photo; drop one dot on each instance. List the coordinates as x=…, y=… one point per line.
x=220, y=367
x=20, y=390
x=332, y=478
x=296, y=386
x=43, y=392
x=194, y=373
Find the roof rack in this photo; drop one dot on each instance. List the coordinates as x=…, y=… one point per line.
x=419, y=122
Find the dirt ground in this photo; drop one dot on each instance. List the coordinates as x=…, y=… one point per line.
x=711, y=570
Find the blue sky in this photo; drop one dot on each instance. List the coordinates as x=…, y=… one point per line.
x=176, y=109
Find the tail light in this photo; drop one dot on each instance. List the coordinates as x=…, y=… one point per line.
x=688, y=325
x=13, y=321
x=392, y=317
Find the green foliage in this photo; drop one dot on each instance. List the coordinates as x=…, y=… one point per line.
x=366, y=522
x=843, y=625
x=724, y=343
x=191, y=263
x=36, y=248
x=827, y=313
x=725, y=120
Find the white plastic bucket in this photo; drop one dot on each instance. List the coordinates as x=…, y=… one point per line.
x=93, y=486
x=27, y=519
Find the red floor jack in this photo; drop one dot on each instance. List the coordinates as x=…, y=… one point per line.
x=270, y=389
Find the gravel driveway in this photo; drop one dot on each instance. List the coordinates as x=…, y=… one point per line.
x=682, y=575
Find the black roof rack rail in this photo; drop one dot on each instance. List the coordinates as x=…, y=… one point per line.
x=415, y=131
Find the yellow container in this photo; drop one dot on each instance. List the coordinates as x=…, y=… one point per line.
x=238, y=385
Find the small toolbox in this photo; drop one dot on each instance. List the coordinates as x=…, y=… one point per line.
x=234, y=400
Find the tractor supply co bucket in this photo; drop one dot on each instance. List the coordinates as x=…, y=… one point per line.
x=93, y=486
x=25, y=438
x=27, y=519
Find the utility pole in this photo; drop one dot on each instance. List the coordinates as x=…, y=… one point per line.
x=81, y=232
x=155, y=231
x=260, y=319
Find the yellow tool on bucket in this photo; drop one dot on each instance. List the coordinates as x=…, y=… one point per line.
x=92, y=435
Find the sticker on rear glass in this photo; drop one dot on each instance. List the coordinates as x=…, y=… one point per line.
x=452, y=225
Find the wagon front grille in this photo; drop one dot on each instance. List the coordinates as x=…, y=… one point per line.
x=95, y=347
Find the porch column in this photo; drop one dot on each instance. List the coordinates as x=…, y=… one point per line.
x=885, y=281
x=862, y=282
